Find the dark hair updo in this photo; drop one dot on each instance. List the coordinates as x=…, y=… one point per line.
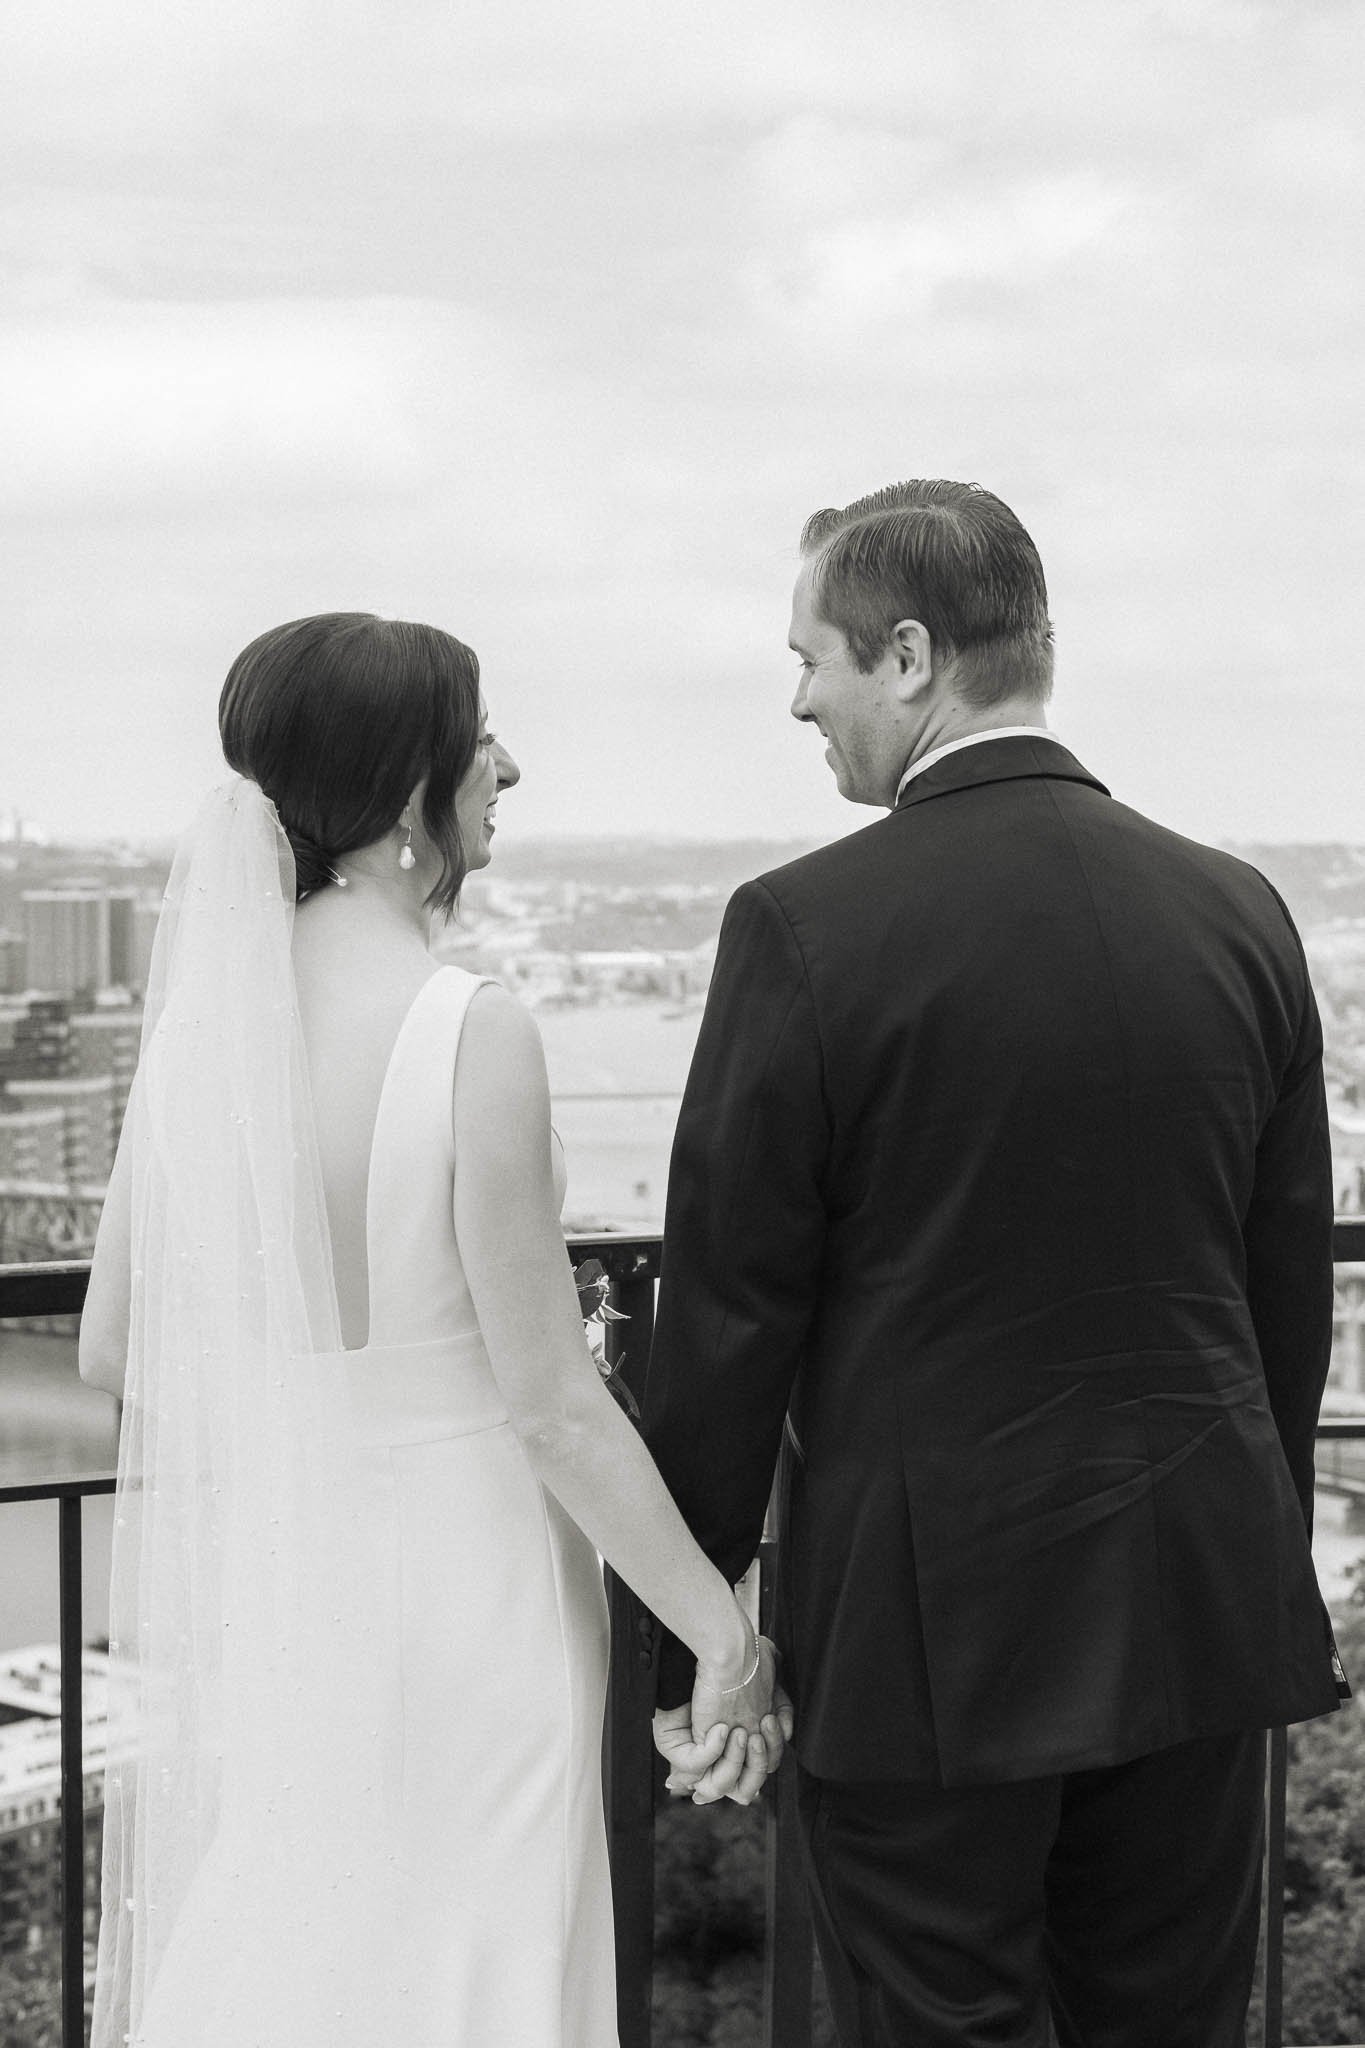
x=338, y=718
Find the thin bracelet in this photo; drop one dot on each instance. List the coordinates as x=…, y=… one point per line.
x=726, y=1690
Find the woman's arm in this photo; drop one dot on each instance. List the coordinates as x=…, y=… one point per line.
x=103, y=1353
x=578, y=1441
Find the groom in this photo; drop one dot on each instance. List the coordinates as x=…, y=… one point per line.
x=1001, y=1187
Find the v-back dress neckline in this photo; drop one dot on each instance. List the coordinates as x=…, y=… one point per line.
x=386, y=1086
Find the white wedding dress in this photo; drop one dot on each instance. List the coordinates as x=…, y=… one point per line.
x=410, y=1846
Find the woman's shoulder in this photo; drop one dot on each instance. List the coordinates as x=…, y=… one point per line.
x=495, y=1017
x=500, y=1043
x=466, y=1013
x=451, y=990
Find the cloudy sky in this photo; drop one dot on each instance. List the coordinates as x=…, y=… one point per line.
x=551, y=323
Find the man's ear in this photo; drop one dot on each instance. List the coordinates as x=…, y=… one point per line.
x=912, y=661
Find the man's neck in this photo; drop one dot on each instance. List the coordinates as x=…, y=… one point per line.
x=967, y=732
x=955, y=722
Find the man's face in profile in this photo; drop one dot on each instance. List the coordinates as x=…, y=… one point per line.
x=851, y=707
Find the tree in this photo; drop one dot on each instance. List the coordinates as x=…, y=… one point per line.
x=1324, y=1933
x=30, y=2000
x=709, y=1928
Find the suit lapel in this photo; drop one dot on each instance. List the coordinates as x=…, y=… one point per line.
x=1008, y=760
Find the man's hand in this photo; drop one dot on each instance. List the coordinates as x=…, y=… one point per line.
x=727, y=1741
x=729, y=1764
x=688, y=1761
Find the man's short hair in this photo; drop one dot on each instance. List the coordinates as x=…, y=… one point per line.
x=950, y=555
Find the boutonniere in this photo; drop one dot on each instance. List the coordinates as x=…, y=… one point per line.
x=593, y=1286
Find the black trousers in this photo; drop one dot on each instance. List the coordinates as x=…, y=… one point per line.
x=1120, y=1905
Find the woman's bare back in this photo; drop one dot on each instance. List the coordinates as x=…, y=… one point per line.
x=356, y=979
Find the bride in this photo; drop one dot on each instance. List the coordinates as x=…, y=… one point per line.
x=359, y=1638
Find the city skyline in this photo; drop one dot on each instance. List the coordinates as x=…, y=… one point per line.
x=553, y=329
x=161, y=847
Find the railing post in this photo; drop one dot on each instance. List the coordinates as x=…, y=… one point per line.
x=633, y=1294
x=629, y=1774
x=631, y=1768
x=72, y=1771
x=789, y=1950
x=1276, y=1780
x=789, y=1947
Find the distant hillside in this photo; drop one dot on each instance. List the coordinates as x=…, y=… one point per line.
x=644, y=864
x=1320, y=883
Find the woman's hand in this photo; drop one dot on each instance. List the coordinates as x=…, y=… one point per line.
x=730, y=1738
x=739, y=1705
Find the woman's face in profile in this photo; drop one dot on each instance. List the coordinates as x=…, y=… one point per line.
x=491, y=771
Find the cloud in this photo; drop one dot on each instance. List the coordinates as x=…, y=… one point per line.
x=172, y=405
x=869, y=271
x=129, y=73
x=553, y=323
x=154, y=75
x=137, y=75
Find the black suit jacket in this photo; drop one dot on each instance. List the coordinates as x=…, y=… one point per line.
x=1003, y=1165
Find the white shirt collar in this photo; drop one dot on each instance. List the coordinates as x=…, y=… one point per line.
x=998, y=732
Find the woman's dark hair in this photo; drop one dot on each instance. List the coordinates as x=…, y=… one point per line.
x=338, y=717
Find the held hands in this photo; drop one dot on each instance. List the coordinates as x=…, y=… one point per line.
x=729, y=1739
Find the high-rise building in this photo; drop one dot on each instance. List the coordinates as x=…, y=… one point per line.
x=35, y=1039
x=13, y=963
x=67, y=931
x=33, y=1146
x=87, y=1107
x=108, y=1042
x=30, y=1794
x=11, y=1016
x=146, y=912
x=122, y=937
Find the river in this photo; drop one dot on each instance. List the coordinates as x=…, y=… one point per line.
x=50, y=1424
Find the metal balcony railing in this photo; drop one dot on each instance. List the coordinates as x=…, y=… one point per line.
x=633, y=1776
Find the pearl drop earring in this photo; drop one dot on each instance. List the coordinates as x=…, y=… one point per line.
x=406, y=857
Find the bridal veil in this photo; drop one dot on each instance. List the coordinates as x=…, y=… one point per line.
x=220, y=1603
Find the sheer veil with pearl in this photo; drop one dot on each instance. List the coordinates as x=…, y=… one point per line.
x=224, y=1442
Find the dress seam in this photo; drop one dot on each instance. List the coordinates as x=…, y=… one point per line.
x=565, y=1776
